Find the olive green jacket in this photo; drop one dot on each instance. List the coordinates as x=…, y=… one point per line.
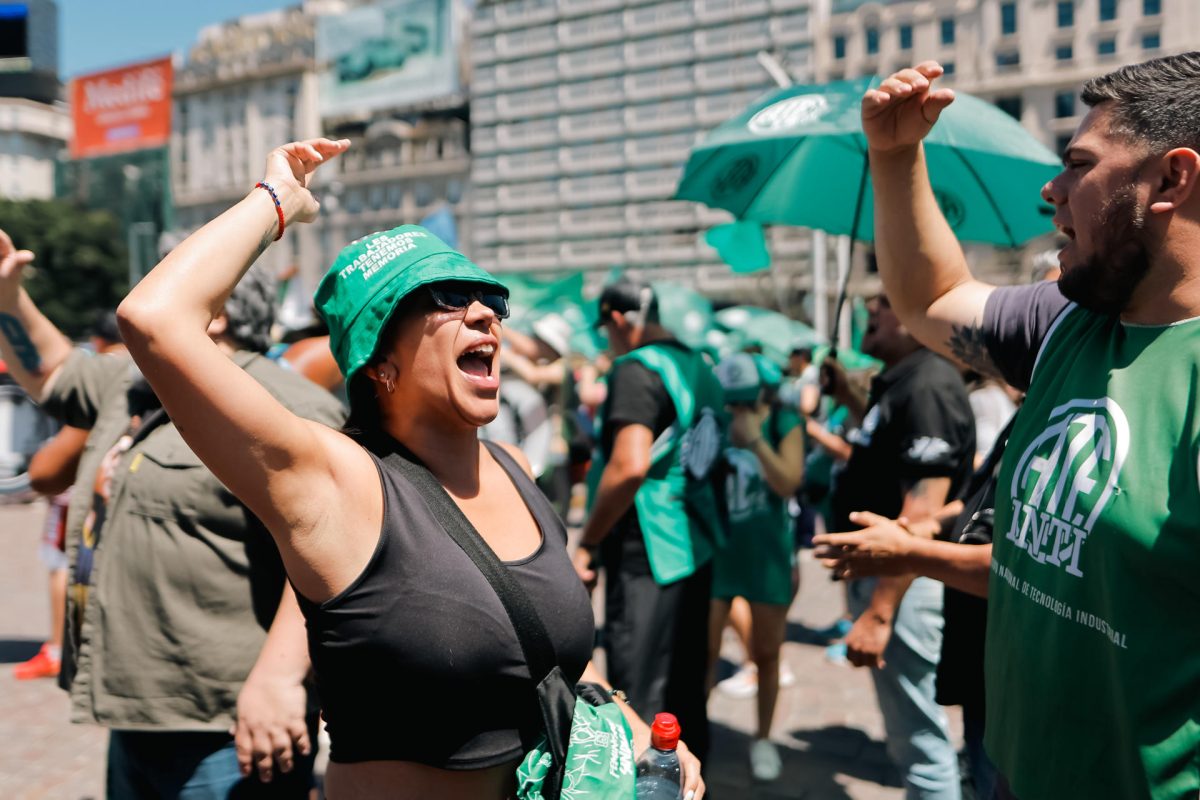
x=185, y=580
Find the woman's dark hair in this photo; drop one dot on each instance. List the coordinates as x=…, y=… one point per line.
x=365, y=424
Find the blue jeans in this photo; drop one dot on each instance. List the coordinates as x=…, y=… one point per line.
x=918, y=738
x=153, y=765
x=983, y=771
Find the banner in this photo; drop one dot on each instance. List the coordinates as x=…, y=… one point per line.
x=389, y=55
x=122, y=109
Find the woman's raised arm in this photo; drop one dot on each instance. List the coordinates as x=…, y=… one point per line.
x=283, y=467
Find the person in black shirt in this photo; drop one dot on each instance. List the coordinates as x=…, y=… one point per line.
x=912, y=451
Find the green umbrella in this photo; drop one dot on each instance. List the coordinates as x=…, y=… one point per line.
x=774, y=333
x=684, y=312
x=798, y=156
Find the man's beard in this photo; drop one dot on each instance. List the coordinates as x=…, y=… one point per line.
x=1105, y=282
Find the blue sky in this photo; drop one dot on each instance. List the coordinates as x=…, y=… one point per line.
x=96, y=34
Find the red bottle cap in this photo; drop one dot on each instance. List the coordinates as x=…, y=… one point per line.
x=664, y=733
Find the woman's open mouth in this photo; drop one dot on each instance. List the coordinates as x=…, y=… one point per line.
x=478, y=364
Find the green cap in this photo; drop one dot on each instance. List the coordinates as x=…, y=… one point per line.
x=371, y=276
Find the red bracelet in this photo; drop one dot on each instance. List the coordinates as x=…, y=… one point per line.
x=278, y=208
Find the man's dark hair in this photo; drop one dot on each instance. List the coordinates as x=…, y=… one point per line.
x=106, y=328
x=1155, y=102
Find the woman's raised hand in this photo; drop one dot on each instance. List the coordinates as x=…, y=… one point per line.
x=288, y=171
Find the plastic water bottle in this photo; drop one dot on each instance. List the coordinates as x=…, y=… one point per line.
x=658, y=773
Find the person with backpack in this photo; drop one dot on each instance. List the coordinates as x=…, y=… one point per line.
x=763, y=467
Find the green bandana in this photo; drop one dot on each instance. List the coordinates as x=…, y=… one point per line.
x=372, y=275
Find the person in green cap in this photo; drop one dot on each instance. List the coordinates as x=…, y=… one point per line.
x=764, y=466
x=653, y=516
x=424, y=685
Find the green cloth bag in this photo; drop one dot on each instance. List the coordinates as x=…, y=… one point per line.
x=599, y=761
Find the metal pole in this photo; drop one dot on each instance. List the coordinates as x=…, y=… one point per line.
x=845, y=248
x=820, y=289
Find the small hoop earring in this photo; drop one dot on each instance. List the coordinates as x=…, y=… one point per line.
x=390, y=384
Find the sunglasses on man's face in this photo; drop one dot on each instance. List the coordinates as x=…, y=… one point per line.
x=452, y=298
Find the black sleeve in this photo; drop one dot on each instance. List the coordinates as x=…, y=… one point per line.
x=939, y=434
x=636, y=395
x=1016, y=320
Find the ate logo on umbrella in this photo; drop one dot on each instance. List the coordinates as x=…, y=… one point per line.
x=793, y=112
x=952, y=207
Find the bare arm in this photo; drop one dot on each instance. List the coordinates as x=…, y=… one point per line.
x=531, y=372
x=296, y=475
x=30, y=345
x=52, y=468
x=623, y=475
x=838, y=447
x=783, y=468
x=921, y=263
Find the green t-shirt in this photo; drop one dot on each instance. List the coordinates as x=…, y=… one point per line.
x=1093, y=649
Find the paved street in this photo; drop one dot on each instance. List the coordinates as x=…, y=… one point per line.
x=827, y=723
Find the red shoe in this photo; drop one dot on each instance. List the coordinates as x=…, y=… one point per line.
x=43, y=665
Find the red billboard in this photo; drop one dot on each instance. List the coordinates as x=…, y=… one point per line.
x=122, y=109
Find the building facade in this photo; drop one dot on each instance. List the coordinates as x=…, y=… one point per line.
x=33, y=135
x=1027, y=56
x=583, y=113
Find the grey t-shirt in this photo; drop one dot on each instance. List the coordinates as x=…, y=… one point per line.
x=1016, y=321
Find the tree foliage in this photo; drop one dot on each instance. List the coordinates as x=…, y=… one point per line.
x=81, y=266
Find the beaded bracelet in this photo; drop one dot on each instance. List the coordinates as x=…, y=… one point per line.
x=278, y=208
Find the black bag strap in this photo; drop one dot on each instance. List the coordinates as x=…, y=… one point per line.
x=531, y=632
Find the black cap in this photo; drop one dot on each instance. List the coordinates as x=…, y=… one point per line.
x=627, y=294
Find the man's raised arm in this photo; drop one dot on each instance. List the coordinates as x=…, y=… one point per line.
x=922, y=265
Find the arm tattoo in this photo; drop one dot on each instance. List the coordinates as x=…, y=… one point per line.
x=22, y=345
x=967, y=344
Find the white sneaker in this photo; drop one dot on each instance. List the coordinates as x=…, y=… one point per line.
x=786, y=676
x=743, y=683
x=765, y=763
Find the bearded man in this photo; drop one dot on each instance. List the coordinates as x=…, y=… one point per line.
x=1093, y=653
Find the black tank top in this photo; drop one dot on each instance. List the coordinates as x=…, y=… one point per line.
x=416, y=660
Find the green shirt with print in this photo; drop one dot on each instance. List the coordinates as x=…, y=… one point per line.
x=1093, y=649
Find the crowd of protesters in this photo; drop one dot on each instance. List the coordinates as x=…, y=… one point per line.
x=245, y=539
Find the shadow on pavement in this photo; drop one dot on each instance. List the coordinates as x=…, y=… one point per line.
x=810, y=771
x=14, y=651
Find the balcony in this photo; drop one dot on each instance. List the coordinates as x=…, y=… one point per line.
x=791, y=5
x=525, y=135
x=527, y=72
x=654, y=84
x=653, y=117
x=659, y=151
x=596, y=93
x=590, y=221
x=711, y=11
x=592, y=125
x=660, y=18
x=532, y=255
x=527, y=196
x=485, y=231
x=526, y=227
x=585, y=31
x=521, y=13
x=595, y=61
x=746, y=37
x=591, y=190
x=483, y=140
x=659, y=51
x=600, y=157
x=651, y=184
x=656, y=249
x=483, y=110
x=661, y=216
x=483, y=21
x=483, y=50
x=484, y=200
x=791, y=29
x=526, y=42
x=528, y=103
x=575, y=8
x=592, y=253
x=735, y=73
x=483, y=170
x=527, y=166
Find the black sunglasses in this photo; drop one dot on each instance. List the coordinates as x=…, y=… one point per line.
x=453, y=298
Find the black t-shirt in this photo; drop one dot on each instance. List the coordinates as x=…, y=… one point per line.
x=919, y=425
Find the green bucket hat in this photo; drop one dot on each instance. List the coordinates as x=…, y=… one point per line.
x=371, y=276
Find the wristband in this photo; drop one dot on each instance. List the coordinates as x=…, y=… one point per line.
x=278, y=208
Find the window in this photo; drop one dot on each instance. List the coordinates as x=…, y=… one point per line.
x=947, y=67
x=1151, y=8
x=872, y=41
x=1008, y=18
x=839, y=47
x=906, y=37
x=1010, y=105
x=1066, y=13
x=1106, y=47
x=1151, y=41
x=1108, y=10
x=1064, y=104
x=1007, y=59
x=947, y=27
x=1064, y=52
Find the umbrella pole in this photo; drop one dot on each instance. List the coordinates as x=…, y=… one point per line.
x=845, y=276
